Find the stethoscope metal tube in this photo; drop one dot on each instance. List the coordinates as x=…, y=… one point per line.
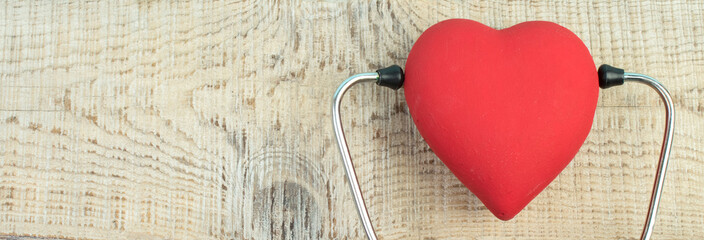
x=664, y=151
x=345, y=152
x=608, y=77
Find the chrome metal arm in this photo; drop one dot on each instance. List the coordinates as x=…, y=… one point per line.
x=344, y=150
x=664, y=151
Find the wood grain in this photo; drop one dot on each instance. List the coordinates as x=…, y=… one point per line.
x=211, y=120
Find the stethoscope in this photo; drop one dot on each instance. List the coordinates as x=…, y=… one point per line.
x=609, y=76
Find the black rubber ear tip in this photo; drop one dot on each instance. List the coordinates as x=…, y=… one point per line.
x=391, y=77
x=610, y=76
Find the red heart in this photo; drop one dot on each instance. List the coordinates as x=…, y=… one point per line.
x=505, y=110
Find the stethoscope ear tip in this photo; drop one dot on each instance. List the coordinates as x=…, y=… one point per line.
x=610, y=76
x=391, y=77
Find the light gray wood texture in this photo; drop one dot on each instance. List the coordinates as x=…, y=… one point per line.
x=211, y=120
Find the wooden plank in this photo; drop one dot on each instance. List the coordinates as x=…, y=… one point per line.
x=210, y=120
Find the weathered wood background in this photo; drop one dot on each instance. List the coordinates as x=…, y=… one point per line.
x=211, y=120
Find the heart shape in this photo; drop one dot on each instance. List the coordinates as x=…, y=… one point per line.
x=505, y=110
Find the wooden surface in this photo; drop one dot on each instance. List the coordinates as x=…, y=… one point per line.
x=211, y=120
